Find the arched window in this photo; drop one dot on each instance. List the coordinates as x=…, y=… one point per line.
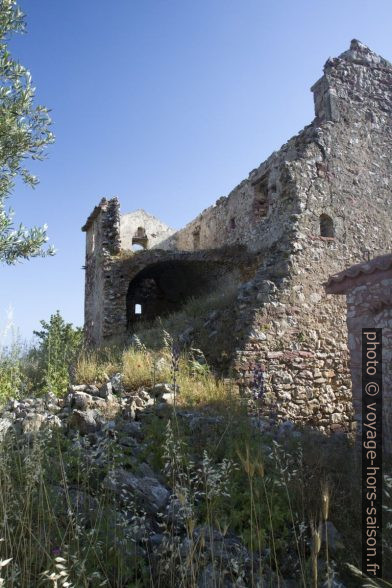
x=326, y=226
x=137, y=247
x=139, y=238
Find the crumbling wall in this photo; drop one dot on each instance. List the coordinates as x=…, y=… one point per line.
x=191, y=272
x=102, y=230
x=143, y=229
x=368, y=289
x=340, y=171
x=253, y=214
x=370, y=305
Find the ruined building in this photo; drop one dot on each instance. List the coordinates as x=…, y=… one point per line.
x=319, y=204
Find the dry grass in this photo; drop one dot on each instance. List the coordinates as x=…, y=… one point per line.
x=143, y=368
x=139, y=367
x=204, y=390
x=96, y=367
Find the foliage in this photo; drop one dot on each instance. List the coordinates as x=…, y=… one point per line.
x=24, y=133
x=59, y=345
x=223, y=473
x=11, y=372
x=272, y=491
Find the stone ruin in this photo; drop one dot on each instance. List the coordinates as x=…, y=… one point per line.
x=319, y=204
x=368, y=290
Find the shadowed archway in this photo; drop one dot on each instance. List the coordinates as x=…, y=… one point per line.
x=162, y=288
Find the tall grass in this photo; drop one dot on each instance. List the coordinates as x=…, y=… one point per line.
x=197, y=385
x=54, y=511
x=61, y=526
x=12, y=355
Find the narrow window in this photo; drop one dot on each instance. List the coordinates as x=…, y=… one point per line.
x=138, y=309
x=326, y=226
x=232, y=223
x=196, y=238
x=261, y=201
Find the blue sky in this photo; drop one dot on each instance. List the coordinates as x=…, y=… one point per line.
x=167, y=104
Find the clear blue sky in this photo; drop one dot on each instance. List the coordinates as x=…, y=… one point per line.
x=167, y=104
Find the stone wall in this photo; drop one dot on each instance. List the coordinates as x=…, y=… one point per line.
x=192, y=273
x=368, y=289
x=337, y=169
x=143, y=229
x=254, y=214
x=102, y=243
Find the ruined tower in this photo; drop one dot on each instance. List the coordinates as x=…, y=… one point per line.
x=321, y=203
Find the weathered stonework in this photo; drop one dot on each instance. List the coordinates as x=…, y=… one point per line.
x=322, y=202
x=368, y=290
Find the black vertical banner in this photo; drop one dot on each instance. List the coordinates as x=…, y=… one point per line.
x=372, y=452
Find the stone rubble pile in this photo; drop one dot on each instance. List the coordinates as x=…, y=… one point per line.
x=91, y=416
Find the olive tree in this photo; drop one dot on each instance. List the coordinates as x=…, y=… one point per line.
x=24, y=134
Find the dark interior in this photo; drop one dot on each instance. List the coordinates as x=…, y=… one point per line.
x=163, y=288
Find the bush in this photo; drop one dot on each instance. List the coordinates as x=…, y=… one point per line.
x=58, y=348
x=10, y=372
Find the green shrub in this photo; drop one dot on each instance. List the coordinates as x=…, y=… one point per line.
x=11, y=377
x=58, y=347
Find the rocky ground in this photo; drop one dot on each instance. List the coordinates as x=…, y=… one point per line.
x=90, y=417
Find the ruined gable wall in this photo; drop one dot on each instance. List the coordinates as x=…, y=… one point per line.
x=343, y=171
x=157, y=233
x=339, y=166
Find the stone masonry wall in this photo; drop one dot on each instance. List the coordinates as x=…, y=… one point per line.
x=254, y=213
x=121, y=270
x=156, y=232
x=368, y=290
x=339, y=168
x=102, y=242
x=365, y=307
